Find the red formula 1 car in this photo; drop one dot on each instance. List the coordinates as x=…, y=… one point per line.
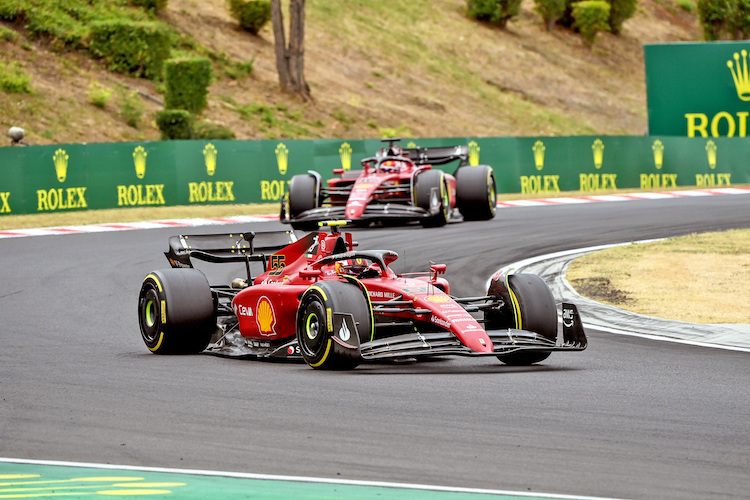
x=395, y=185
x=319, y=298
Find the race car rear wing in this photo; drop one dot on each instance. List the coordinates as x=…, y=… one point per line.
x=438, y=156
x=230, y=247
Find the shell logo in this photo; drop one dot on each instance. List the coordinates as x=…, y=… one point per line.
x=265, y=317
x=437, y=298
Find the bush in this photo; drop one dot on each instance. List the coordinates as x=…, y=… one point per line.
x=131, y=105
x=99, y=96
x=175, y=124
x=186, y=82
x=496, y=12
x=135, y=48
x=619, y=12
x=740, y=24
x=151, y=5
x=208, y=130
x=715, y=17
x=13, y=79
x=252, y=15
x=550, y=10
x=591, y=17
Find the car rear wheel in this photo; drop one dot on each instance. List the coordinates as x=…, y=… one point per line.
x=327, y=313
x=176, y=311
x=529, y=305
x=431, y=193
x=303, y=196
x=476, y=195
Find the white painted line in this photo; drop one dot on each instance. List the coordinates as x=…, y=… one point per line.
x=301, y=479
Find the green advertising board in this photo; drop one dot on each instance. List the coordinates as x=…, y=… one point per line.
x=698, y=89
x=66, y=177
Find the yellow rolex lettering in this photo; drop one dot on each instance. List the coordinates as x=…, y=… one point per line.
x=700, y=126
x=650, y=181
x=731, y=125
x=705, y=180
x=5, y=207
x=609, y=181
x=742, y=119
x=534, y=184
x=723, y=121
x=589, y=182
x=724, y=179
x=597, y=182
x=272, y=190
x=194, y=194
x=201, y=192
x=139, y=195
x=61, y=199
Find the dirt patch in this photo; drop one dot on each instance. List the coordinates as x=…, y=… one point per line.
x=601, y=290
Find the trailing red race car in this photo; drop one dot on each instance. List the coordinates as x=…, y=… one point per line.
x=319, y=298
x=395, y=185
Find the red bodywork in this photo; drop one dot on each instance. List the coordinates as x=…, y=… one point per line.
x=267, y=309
x=389, y=182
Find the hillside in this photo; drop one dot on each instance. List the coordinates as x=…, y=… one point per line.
x=419, y=67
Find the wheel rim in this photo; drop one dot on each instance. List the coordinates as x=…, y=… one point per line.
x=312, y=326
x=150, y=319
x=150, y=316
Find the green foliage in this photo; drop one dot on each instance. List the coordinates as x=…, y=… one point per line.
x=591, y=17
x=252, y=15
x=741, y=20
x=715, y=17
x=186, y=83
x=175, y=124
x=98, y=95
x=619, y=12
x=8, y=35
x=550, y=10
x=151, y=5
x=208, y=130
x=65, y=24
x=131, y=106
x=240, y=70
x=496, y=12
x=402, y=130
x=135, y=48
x=688, y=6
x=13, y=79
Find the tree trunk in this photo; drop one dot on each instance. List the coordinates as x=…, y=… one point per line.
x=290, y=60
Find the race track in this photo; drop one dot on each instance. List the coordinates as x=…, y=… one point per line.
x=627, y=418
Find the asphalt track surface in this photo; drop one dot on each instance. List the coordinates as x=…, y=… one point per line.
x=627, y=418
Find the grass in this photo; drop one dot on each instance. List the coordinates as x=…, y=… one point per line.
x=699, y=278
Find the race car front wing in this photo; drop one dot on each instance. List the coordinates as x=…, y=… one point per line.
x=571, y=338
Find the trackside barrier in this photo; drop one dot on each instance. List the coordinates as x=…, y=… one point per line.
x=61, y=177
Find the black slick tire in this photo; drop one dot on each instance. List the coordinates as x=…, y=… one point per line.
x=529, y=305
x=431, y=193
x=303, y=196
x=176, y=311
x=476, y=194
x=316, y=328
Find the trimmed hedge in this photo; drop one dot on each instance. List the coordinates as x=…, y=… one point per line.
x=134, y=48
x=175, y=124
x=550, y=10
x=252, y=15
x=497, y=12
x=186, y=82
x=619, y=12
x=591, y=17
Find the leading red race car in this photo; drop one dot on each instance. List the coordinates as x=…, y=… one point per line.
x=396, y=184
x=319, y=298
